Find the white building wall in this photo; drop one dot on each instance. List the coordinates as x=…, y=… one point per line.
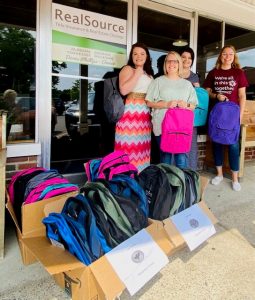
x=236, y=12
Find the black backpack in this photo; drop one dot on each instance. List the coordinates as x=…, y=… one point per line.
x=159, y=193
x=19, y=189
x=192, y=192
x=113, y=101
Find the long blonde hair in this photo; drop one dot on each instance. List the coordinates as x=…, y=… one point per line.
x=235, y=64
x=178, y=57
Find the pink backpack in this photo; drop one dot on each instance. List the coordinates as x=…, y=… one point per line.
x=112, y=164
x=17, y=176
x=34, y=195
x=177, y=128
x=115, y=163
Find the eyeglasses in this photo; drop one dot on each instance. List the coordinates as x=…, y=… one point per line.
x=228, y=54
x=172, y=61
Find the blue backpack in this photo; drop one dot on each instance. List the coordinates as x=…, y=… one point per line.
x=201, y=110
x=127, y=187
x=224, y=123
x=75, y=227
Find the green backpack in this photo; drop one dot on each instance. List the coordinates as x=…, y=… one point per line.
x=176, y=179
x=193, y=187
x=104, y=202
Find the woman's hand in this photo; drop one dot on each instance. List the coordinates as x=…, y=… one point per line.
x=171, y=104
x=221, y=97
x=182, y=104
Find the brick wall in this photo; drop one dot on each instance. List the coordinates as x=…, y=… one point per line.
x=249, y=154
x=19, y=163
x=201, y=155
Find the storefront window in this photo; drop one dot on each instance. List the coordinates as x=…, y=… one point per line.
x=208, y=46
x=158, y=31
x=210, y=42
x=244, y=42
x=17, y=68
x=84, y=52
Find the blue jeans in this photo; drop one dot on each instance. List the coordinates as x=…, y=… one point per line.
x=233, y=155
x=165, y=157
x=192, y=156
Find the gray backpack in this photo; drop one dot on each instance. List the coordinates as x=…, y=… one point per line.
x=113, y=101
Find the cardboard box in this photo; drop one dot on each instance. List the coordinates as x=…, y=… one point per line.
x=97, y=281
x=173, y=234
x=31, y=223
x=249, y=113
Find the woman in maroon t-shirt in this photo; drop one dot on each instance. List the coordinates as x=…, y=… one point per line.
x=227, y=81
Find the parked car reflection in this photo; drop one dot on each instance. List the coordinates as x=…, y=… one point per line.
x=72, y=115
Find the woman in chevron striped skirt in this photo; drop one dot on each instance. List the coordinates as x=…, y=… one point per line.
x=133, y=130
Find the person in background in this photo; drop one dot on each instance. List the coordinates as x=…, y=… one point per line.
x=8, y=103
x=227, y=82
x=187, y=55
x=160, y=66
x=133, y=130
x=155, y=153
x=168, y=91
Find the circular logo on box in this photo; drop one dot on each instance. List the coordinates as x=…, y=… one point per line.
x=137, y=256
x=193, y=223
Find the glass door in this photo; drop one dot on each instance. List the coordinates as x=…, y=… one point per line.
x=89, y=41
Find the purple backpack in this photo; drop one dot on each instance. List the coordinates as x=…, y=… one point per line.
x=177, y=128
x=111, y=165
x=224, y=123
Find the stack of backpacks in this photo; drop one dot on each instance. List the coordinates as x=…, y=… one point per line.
x=110, y=208
x=35, y=184
x=169, y=189
x=116, y=202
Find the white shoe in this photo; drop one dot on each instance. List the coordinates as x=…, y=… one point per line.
x=217, y=180
x=236, y=186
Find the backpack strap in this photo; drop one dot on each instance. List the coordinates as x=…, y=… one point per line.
x=111, y=161
x=113, y=87
x=126, y=168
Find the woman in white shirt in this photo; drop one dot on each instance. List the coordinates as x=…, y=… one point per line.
x=133, y=130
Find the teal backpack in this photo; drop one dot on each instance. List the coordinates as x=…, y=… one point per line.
x=201, y=111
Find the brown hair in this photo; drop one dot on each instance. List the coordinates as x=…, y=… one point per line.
x=147, y=65
x=235, y=64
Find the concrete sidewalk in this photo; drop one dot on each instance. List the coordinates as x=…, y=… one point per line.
x=221, y=268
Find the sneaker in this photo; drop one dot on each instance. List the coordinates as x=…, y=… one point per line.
x=217, y=180
x=236, y=186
